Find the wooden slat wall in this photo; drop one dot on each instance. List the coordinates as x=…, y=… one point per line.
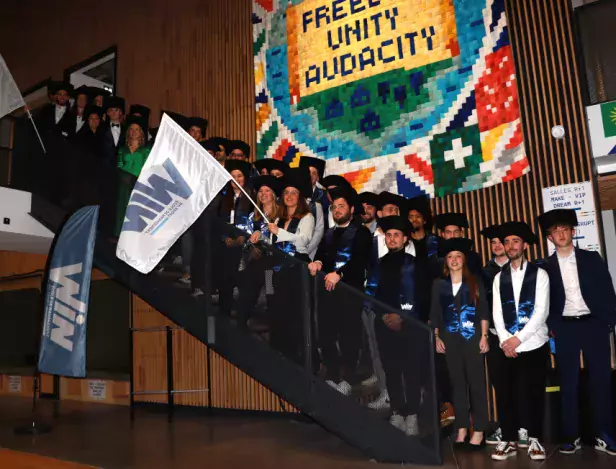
x=231, y=388
x=549, y=86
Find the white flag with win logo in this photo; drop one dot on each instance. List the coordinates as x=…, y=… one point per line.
x=10, y=96
x=178, y=181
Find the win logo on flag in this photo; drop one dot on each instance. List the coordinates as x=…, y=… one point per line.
x=179, y=180
x=602, y=125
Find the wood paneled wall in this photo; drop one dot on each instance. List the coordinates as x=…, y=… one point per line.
x=542, y=38
x=188, y=56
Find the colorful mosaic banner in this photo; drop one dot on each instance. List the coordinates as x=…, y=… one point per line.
x=411, y=96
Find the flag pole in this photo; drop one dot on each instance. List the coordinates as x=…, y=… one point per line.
x=252, y=201
x=35, y=129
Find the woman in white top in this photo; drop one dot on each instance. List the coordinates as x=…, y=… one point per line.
x=292, y=232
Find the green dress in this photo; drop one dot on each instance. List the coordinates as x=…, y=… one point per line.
x=129, y=168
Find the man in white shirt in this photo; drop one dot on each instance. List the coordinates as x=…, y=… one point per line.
x=520, y=310
x=582, y=308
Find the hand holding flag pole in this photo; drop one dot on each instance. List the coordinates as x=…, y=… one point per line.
x=252, y=201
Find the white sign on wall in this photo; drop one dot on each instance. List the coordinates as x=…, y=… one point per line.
x=579, y=197
x=97, y=389
x=15, y=384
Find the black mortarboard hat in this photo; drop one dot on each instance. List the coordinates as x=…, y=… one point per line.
x=83, y=89
x=179, y=119
x=298, y=178
x=421, y=204
x=490, y=232
x=388, y=198
x=344, y=192
x=239, y=145
x=268, y=181
x=559, y=216
x=517, y=228
x=369, y=198
x=445, y=246
x=316, y=163
x=95, y=91
x=222, y=141
x=140, y=109
x=452, y=218
x=141, y=122
x=210, y=145
x=115, y=102
x=197, y=122
x=56, y=86
x=93, y=109
x=243, y=166
x=271, y=164
x=334, y=180
x=395, y=222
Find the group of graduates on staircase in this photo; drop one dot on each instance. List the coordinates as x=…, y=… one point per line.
x=502, y=312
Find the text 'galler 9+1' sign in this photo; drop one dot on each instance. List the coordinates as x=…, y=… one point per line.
x=411, y=96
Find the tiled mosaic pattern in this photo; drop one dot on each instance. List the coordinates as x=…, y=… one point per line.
x=411, y=96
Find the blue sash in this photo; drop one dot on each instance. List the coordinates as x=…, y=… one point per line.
x=458, y=321
x=516, y=320
x=372, y=274
x=343, y=251
x=407, y=288
x=260, y=225
x=240, y=217
x=287, y=246
x=431, y=245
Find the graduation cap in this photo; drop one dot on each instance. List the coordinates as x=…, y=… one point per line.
x=83, y=89
x=141, y=110
x=316, y=163
x=344, y=192
x=210, y=145
x=395, y=222
x=334, y=180
x=298, y=178
x=198, y=122
x=179, y=119
x=243, y=166
x=559, y=216
x=115, y=102
x=93, y=109
x=271, y=164
x=421, y=204
x=57, y=86
x=141, y=122
x=239, y=145
x=268, y=181
x=221, y=142
x=95, y=91
x=462, y=245
x=490, y=232
x=388, y=198
x=517, y=228
x=368, y=198
x=449, y=219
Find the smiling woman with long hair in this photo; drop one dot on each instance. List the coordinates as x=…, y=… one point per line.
x=459, y=316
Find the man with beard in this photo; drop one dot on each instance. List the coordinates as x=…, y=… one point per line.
x=582, y=303
x=495, y=355
x=420, y=216
x=520, y=309
x=369, y=202
x=330, y=182
x=342, y=256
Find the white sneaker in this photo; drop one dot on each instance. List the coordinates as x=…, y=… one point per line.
x=342, y=387
x=412, y=425
x=197, y=293
x=523, y=438
x=370, y=381
x=535, y=451
x=504, y=450
x=495, y=438
x=398, y=421
x=381, y=402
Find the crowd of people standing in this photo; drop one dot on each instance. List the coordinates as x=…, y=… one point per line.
x=501, y=312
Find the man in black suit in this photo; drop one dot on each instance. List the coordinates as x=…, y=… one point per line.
x=582, y=308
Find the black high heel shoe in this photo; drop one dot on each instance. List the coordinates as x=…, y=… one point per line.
x=460, y=445
x=479, y=447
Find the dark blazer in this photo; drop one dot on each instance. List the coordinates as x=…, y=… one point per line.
x=109, y=150
x=595, y=284
x=46, y=120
